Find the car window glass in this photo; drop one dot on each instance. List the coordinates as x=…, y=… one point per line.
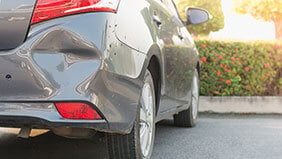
x=170, y=5
x=163, y=3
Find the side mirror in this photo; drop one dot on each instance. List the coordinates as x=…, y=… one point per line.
x=196, y=16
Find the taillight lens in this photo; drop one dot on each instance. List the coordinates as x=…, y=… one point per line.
x=79, y=111
x=48, y=9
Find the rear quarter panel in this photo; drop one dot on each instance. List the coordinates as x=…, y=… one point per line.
x=134, y=25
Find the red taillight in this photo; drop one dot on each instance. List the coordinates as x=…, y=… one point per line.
x=77, y=111
x=48, y=9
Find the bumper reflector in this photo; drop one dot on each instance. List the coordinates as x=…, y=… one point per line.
x=78, y=111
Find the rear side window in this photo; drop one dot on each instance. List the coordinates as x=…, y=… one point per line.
x=171, y=6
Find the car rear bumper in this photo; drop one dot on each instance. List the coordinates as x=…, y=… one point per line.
x=42, y=115
x=71, y=59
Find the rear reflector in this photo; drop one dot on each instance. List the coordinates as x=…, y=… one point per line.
x=48, y=9
x=77, y=111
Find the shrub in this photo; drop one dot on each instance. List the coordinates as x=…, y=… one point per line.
x=231, y=68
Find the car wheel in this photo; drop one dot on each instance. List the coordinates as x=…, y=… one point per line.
x=187, y=118
x=139, y=143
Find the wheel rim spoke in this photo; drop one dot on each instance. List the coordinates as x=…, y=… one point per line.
x=195, y=97
x=142, y=130
x=142, y=115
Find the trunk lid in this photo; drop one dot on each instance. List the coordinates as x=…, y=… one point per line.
x=15, y=16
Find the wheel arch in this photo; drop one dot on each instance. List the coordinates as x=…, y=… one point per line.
x=154, y=64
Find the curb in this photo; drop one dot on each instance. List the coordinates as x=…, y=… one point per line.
x=241, y=104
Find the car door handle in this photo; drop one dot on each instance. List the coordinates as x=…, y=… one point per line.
x=180, y=36
x=157, y=20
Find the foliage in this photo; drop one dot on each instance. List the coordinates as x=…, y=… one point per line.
x=268, y=10
x=240, y=69
x=214, y=8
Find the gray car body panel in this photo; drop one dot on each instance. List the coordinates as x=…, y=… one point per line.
x=172, y=45
x=41, y=115
x=15, y=16
x=62, y=62
x=99, y=58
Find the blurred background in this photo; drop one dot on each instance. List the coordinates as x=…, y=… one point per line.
x=240, y=47
x=238, y=19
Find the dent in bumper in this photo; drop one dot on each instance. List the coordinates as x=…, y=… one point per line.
x=61, y=61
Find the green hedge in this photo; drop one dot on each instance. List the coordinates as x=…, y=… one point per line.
x=240, y=68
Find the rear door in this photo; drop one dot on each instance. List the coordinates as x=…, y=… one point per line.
x=178, y=56
x=15, y=16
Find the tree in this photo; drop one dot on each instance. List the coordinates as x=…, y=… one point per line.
x=214, y=8
x=268, y=10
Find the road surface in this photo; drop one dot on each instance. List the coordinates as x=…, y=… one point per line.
x=214, y=137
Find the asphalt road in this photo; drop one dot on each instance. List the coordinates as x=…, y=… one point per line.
x=215, y=137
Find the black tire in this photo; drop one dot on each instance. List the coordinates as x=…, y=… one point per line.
x=128, y=146
x=185, y=118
